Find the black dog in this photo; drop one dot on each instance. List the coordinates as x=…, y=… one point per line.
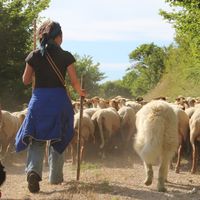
x=2, y=174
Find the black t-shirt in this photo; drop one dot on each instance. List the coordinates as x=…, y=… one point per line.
x=45, y=76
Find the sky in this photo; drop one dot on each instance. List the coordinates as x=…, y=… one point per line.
x=109, y=30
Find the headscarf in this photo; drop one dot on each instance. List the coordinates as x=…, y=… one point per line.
x=48, y=38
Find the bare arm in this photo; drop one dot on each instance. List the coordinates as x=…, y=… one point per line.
x=28, y=73
x=74, y=80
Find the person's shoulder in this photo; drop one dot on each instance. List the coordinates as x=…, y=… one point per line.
x=33, y=54
x=68, y=57
x=67, y=53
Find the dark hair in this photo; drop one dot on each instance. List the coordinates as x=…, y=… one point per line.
x=47, y=32
x=49, y=29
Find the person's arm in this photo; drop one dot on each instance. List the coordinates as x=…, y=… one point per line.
x=74, y=80
x=28, y=73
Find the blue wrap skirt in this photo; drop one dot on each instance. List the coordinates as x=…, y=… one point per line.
x=50, y=117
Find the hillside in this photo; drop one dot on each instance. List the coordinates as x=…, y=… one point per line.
x=172, y=85
x=181, y=76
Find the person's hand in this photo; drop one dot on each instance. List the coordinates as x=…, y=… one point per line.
x=82, y=93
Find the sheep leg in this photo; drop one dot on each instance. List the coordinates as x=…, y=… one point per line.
x=93, y=139
x=100, y=121
x=194, y=155
x=149, y=174
x=73, y=153
x=81, y=150
x=4, y=148
x=162, y=174
x=178, y=159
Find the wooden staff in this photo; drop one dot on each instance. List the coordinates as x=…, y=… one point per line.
x=79, y=132
x=34, y=47
x=34, y=34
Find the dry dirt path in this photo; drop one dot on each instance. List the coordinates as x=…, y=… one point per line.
x=113, y=179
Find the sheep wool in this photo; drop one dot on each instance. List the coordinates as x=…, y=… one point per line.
x=156, y=138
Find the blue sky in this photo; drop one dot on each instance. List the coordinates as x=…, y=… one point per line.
x=108, y=30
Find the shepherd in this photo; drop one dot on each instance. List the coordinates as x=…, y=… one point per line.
x=50, y=112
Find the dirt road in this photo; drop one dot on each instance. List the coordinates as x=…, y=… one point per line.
x=111, y=179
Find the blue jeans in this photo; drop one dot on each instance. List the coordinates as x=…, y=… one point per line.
x=35, y=157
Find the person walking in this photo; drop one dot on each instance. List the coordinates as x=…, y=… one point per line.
x=50, y=113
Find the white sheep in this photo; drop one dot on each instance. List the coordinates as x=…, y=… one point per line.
x=156, y=138
x=190, y=111
x=183, y=132
x=136, y=106
x=90, y=111
x=9, y=125
x=108, y=123
x=194, y=136
x=127, y=129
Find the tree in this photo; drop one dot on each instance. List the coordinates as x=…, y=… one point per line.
x=112, y=89
x=91, y=76
x=16, y=30
x=147, y=69
x=186, y=20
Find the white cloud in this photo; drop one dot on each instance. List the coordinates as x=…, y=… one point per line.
x=127, y=20
x=127, y=30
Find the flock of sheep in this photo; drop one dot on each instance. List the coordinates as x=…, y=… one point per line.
x=156, y=129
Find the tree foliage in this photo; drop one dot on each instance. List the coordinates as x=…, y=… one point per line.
x=147, y=69
x=16, y=30
x=112, y=89
x=90, y=74
x=186, y=20
x=182, y=59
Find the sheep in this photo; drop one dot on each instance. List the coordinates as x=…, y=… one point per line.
x=121, y=102
x=76, y=105
x=191, y=101
x=107, y=121
x=10, y=123
x=182, y=102
x=99, y=102
x=136, y=106
x=90, y=111
x=183, y=132
x=127, y=128
x=156, y=137
x=190, y=111
x=194, y=136
x=87, y=132
x=20, y=115
x=113, y=103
